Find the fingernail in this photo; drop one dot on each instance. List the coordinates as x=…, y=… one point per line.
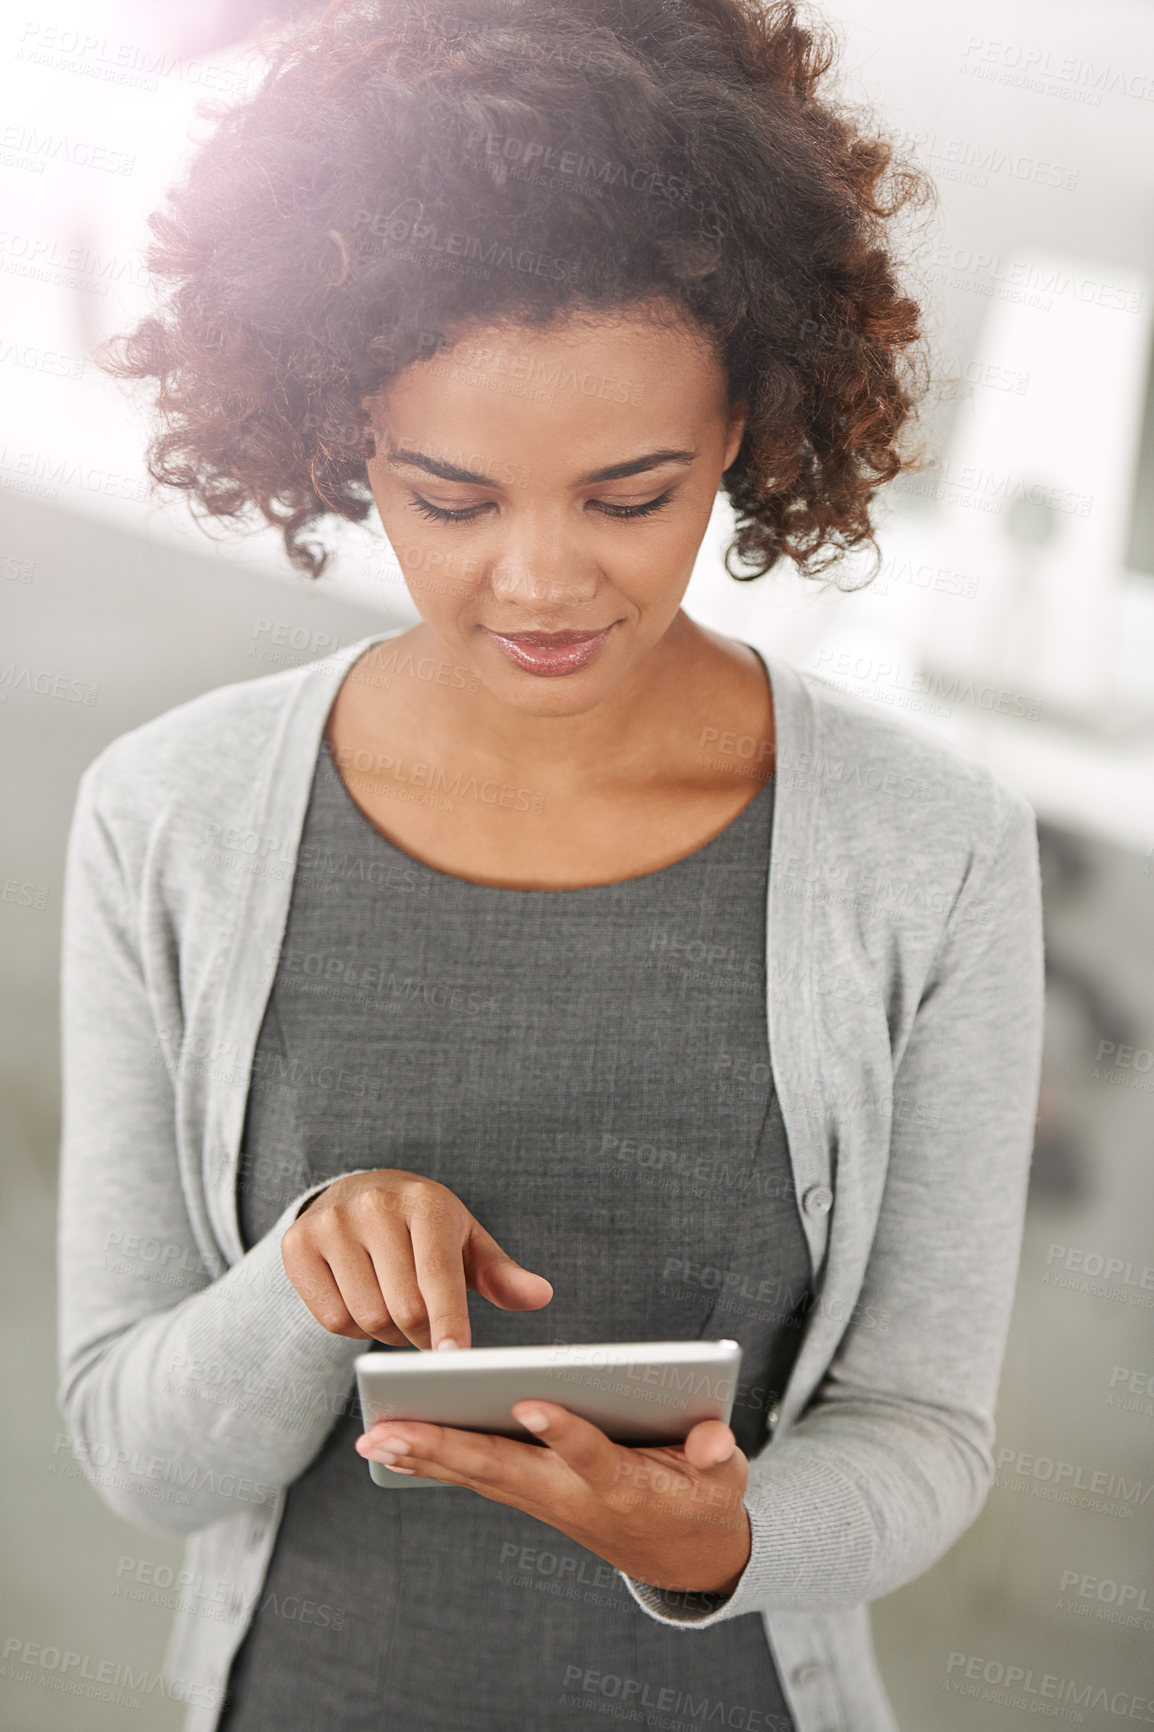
x=449, y=1343
x=535, y=1420
x=394, y=1468
x=395, y=1445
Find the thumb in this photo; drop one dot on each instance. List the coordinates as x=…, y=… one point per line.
x=709, y=1444
x=497, y=1277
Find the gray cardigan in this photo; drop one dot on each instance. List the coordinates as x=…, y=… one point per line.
x=905, y=996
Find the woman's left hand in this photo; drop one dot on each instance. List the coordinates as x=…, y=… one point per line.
x=672, y=1516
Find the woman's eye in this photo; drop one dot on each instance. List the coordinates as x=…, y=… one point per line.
x=635, y=510
x=440, y=514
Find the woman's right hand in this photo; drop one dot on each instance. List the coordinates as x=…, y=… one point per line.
x=388, y=1256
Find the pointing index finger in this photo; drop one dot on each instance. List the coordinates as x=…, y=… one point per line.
x=440, y=1270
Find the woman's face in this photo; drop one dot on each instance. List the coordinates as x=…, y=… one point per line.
x=581, y=466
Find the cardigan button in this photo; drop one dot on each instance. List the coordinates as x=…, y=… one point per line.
x=818, y=1200
x=806, y=1672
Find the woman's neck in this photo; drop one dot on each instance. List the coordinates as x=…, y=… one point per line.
x=691, y=690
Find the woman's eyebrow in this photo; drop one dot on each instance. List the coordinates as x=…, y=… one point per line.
x=611, y=472
x=634, y=466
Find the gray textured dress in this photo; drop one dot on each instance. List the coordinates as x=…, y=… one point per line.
x=588, y=1070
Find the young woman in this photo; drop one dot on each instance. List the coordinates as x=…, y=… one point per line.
x=558, y=969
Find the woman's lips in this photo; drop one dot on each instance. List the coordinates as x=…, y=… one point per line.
x=551, y=653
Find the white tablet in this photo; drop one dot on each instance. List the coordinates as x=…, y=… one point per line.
x=638, y=1392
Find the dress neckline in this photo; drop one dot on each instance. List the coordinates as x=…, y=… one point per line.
x=325, y=756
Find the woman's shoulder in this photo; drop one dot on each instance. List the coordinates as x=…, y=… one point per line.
x=191, y=737
x=212, y=750
x=880, y=774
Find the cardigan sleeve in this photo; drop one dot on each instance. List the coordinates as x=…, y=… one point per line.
x=892, y=1459
x=185, y=1398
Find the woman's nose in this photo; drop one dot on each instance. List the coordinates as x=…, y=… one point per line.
x=554, y=579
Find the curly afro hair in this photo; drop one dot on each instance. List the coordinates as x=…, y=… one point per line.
x=404, y=171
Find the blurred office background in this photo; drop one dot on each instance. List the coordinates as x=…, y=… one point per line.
x=1013, y=616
